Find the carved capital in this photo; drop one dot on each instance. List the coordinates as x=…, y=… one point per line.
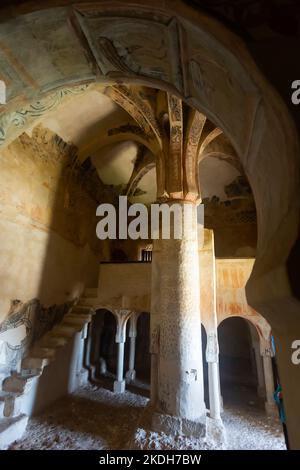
x=122, y=316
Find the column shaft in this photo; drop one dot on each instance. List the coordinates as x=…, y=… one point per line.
x=131, y=374
x=119, y=384
x=214, y=390
x=269, y=383
x=180, y=384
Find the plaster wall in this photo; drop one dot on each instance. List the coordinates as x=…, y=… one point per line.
x=48, y=246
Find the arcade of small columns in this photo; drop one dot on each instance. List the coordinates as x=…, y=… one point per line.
x=260, y=344
x=177, y=391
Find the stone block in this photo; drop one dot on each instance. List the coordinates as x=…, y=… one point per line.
x=192, y=428
x=12, y=429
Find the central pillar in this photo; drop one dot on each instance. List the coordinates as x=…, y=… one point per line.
x=180, y=394
x=212, y=354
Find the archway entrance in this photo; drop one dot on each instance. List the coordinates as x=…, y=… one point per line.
x=238, y=369
x=243, y=387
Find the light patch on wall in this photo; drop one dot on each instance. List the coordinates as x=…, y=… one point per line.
x=115, y=163
x=82, y=119
x=214, y=176
x=146, y=192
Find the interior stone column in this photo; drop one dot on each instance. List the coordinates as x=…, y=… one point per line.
x=122, y=317
x=180, y=404
x=212, y=358
x=131, y=373
x=155, y=323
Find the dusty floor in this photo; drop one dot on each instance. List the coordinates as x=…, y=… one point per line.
x=95, y=418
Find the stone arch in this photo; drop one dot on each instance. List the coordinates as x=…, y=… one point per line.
x=238, y=366
x=98, y=327
x=263, y=135
x=263, y=333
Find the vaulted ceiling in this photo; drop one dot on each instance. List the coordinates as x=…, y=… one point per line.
x=120, y=130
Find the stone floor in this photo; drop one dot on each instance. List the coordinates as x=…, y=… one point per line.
x=95, y=418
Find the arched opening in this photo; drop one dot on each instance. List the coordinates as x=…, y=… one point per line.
x=238, y=370
x=205, y=366
x=103, y=352
x=142, y=358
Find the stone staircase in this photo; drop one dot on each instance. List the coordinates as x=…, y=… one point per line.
x=12, y=421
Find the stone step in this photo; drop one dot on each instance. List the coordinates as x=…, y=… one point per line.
x=78, y=323
x=65, y=331
x=91, y=292
x=77, y=318
x=12, y=429
x=80, y=309
x=43, y=353
x=89, y=302
x=34, y=363
x=53, y=341
x=30, y=373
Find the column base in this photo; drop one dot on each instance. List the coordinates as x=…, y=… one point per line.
x=82, y=377
x=178, y=426
x=119, y=386
x=271, y=409
x=130, y=376
x=216, y=432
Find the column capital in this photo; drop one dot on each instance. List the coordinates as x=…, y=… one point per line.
x=122, y=316
x=177, y=162
x=133, y=324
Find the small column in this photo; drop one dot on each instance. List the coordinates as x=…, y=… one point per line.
x=270, y=404
x=119, y=384
x=131, y=373
x=88, y=348
x=122, y=317
x=212, y=358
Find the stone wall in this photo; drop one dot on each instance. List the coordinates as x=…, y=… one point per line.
x=48, y=246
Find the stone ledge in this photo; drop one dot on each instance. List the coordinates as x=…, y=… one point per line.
x=12, y=429
x=178, y=426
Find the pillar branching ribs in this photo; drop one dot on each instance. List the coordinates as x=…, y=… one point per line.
x=177, y=393
x=176, y=135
